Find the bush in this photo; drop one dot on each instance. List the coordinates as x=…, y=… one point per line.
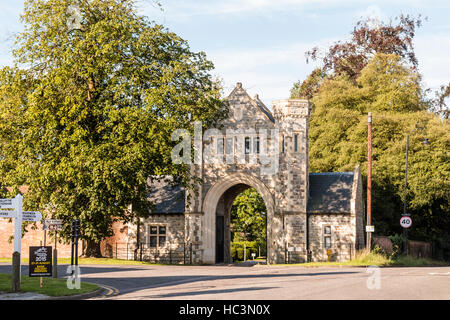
x=397, y=245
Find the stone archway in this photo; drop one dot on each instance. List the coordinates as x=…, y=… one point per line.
x=210, y=205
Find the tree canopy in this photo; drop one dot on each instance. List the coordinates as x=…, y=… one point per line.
x=248, y=217
x=88, y=109
x=392, y=91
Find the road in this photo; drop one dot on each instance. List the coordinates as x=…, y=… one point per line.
x=262, y=282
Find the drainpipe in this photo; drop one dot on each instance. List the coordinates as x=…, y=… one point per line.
x=308, y=256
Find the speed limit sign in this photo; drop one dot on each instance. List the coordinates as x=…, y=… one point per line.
x=406, y=221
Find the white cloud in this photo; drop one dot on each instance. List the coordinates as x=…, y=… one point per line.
x=269, y=72
x=434, y=60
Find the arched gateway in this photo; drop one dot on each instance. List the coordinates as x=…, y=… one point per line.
x=310, y=216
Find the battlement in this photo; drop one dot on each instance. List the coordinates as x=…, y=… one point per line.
x=291, y=107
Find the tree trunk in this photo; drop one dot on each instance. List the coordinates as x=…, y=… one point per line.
x=92, y=249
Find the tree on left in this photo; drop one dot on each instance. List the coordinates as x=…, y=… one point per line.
x=88, y=109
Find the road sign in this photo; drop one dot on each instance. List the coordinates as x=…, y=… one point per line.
x=370, y=229
x=40, y=262
x=8, y=214
x=7, y=204
x=52, y=224
x=31, y=216
x=406, y=221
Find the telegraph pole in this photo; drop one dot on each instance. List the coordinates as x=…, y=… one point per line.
x=369, y=182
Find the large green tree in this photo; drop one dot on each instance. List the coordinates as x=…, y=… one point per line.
x=392, y=91
x=88, y=109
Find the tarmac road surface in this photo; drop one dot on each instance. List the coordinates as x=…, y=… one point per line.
x=261, y=282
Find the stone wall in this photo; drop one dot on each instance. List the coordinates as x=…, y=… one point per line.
x=174, y=249
x=342, y=236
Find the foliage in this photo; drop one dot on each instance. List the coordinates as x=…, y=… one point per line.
x=397, y=245
x=87, y=112
x=367, y=39
x=440, y=106
x=308, y=88
x=248, y=217
x=338, y=141
x=237, y=249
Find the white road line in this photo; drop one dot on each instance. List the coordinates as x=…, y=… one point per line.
x=437, y=273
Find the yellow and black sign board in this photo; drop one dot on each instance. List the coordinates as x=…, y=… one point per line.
x=40, y=262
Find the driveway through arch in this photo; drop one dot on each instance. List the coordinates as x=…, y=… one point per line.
x=210, y=206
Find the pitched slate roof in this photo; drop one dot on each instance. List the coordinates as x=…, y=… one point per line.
x=264, y=109
x=167, y=198
x=330, y=192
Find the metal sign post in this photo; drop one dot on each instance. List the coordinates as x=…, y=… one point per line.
x=56, y=225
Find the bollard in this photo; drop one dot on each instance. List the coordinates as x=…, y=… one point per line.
x=16, y=272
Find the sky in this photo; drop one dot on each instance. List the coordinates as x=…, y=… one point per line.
x=262, y=43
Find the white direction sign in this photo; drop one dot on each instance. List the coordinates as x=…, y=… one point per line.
x=52, y=224
x=31, y=216
x=406, y=221
x=7, y=204
x=7, y=214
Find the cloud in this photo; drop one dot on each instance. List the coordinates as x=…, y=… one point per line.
x=269, y=71
x=434, y=60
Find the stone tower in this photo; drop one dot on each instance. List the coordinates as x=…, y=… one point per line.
x=291, y=193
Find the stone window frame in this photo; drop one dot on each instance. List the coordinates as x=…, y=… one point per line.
x=158, y=235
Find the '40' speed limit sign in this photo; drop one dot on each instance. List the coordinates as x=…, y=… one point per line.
x=406, y=222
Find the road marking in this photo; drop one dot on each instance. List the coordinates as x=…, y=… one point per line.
x=439, y=273
x=111, y=291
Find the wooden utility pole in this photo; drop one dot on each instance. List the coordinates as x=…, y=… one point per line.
x=369, y=181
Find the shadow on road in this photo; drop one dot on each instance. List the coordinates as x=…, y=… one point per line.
x=198, y=293
x=106, y=276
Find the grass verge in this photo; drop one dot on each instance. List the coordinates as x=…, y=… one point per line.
x=52, y=287
x=100, y=261
x=364, y=259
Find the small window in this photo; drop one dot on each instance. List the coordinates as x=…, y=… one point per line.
x=296, y=143
x=229, y=146
x=256, y=145
x=157, y=238
x=282, y=144
x=327, y=242
x=247, y=145
x=220, y=146
x=153, y=229
x=327, y=237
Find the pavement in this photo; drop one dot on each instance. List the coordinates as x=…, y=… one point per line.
x=262, y=282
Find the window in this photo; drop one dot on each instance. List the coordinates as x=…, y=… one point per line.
x=327, y=237
x=296, y=143
x=229, y=146
x=282, y=144
x=256, y=145
x=327, y=242
x=247, y=145
x=157, y=236
x=220, y=146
